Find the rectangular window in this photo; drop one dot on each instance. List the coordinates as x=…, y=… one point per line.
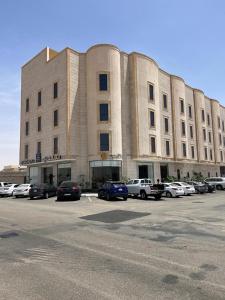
x=208, y=119
x=190, y=111
x=191, y=131
x=151, y=92
x=55, y=145
x=204, y=134
x=166, y=124
x=220, y=138
x=103, y=82
x=153, y=144
x=55, y=118
x=39, y=98
x=223, y=125
x=55, y=90
x=182, y=106
x=192, y=151
x=27, y=128
x=210, y=137
x=221, y=155
x=26, y=152
x=38, y=147
x=152, y=118
x=167, y=148
x=211, y=154
x=218, y=120
x=27, y=104
x=206, y=153
x=183, y=131
x=184, y=149
x=224, y=141
x=164, y=101
x=203, y=115
x=104, y=112
x=104, y=142
x=39, y=124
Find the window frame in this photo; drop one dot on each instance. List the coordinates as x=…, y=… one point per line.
x=101, y=133
x=39, y=98
x=184, y=149
x=39, y=124
x=27, y=128
x=27, y=105
x=163, y=100
x=151, y=138
x=56, y=119
x=167, y=143
x=54, y=145
x=150, y=120
x=166, y=121
x=183, y=128
x=55, y=90
x=108, y=112
x=98, y=81
x=150, y=84
x=182, y=107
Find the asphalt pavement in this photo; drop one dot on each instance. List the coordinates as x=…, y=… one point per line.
x=96, y=249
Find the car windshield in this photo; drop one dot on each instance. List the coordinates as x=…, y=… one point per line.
x=8, y=185
x=23, y=185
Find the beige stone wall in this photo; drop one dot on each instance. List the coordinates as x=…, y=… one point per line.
x=40, y=75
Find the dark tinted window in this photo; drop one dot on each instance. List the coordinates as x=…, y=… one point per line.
x=104, y=142
x=103, y=82
x=191, y=131
x=206, y=153
x=152, y=119
x=104, y=112
x=208, y=119
x=27, y=128
x=167, y=148
x=151, y=92
x=56, y=118
x=166, y=120
x=55, y=145
x=27, y=104
x=55, y=90
x=153, y=145
x=190, y=111
x=182, y=106
x=211, y=154
x=38, y=147
x=209, y=137
x=183, y=128
x=39, y=123
x=204, y=134
x=203, y=115
x=39, y=98
x=165, y=101
x=26, y=150
x=192, y=152
x=184, y=149
x=69, y=184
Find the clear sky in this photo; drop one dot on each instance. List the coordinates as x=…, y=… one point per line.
x=185, y=37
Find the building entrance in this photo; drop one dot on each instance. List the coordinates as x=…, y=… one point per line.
x=164, y=172
x=47, y=175
x=102, y=174
x=143, y=171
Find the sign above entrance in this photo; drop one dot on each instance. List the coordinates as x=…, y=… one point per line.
x=105, y=163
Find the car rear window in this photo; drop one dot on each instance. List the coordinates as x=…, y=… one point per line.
x=117, y=185
x=68, y=184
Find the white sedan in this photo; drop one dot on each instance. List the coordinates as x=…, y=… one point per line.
x=172, y=190
x=7, y=190
x=22, y=190
x=188, y=189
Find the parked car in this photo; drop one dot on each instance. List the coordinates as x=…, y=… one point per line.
x=22, y=190
x=68, y=190
x=43, y=190
x=113, y=189
x=200, y=187
x=218, y=182
x=2, y=184
x=144, y=188
x=188, y=189
x=172, y=190
x=210, y=187
x=7, y=190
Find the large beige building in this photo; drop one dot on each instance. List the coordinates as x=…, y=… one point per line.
x=106, y=114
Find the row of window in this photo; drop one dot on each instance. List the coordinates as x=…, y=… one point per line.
x=55, y=148
x=39, y=97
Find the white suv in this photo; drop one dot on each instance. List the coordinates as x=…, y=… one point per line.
x=218, y=182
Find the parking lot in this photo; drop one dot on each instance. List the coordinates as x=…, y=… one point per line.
x=97, y=249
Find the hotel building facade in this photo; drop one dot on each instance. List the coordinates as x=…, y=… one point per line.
x=106, y=114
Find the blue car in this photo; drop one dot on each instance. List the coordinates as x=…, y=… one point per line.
x=113, y=189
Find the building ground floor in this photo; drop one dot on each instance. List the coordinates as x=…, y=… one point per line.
x=91, y=174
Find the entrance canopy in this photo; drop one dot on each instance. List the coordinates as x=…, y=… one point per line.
x=105, y=163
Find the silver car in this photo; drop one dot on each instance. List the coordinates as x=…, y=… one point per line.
x=218, y=182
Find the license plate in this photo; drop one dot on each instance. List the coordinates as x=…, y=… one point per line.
x=67, y=194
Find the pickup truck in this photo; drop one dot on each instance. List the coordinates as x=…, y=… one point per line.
x=144, y=188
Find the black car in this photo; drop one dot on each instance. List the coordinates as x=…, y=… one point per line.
x=211, y=187
x=68, y=190
x=43, y=190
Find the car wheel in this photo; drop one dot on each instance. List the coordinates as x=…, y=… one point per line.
x=168, y=195
x=46, y=196
x=157, y=197
x=16, y=196
x=100, y=195
x=219, y=187
x=143, y=195
x=31, y=198
x=108, y=197
x=125, y=198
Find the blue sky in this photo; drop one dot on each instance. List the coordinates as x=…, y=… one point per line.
x=186, y=38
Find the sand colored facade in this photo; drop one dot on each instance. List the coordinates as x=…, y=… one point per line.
x=106, y=114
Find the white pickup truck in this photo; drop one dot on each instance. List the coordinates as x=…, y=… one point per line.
x=144, y=188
